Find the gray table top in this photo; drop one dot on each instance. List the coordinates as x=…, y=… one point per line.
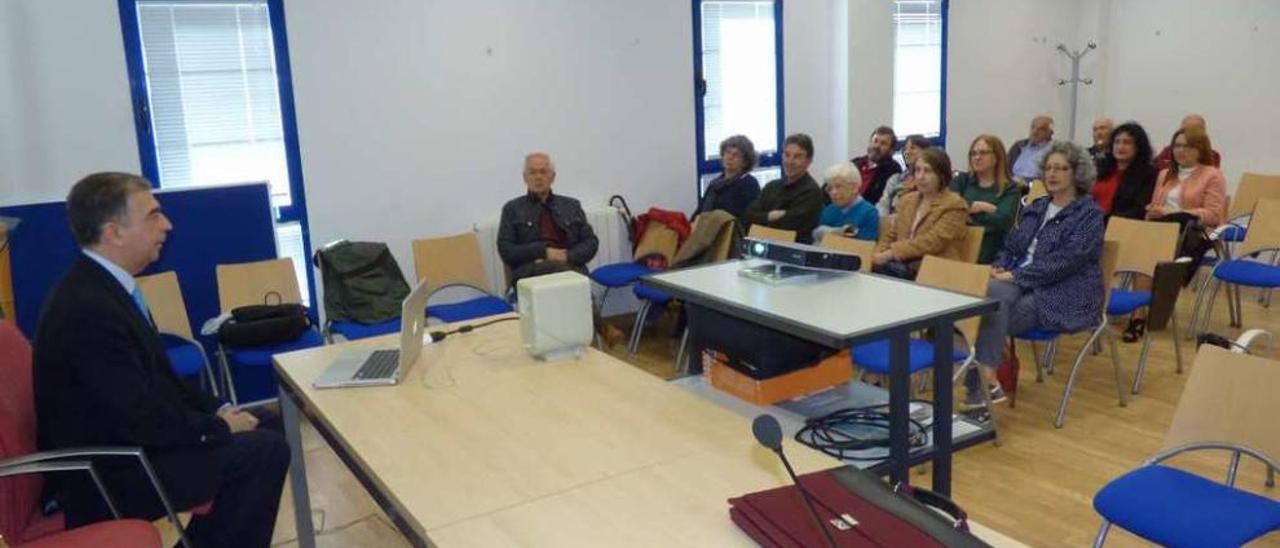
x=837, y=309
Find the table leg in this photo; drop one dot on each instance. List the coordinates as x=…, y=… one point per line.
x=297, y=471
x=943, y=342
x=899, y=407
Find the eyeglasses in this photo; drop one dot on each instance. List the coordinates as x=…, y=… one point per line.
x=1057, y=167
x=980, y=153
x=1181, y=145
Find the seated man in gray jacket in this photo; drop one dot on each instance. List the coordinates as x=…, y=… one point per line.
x=542, y=232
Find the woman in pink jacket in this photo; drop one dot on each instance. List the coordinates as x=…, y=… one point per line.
x=1192, y=193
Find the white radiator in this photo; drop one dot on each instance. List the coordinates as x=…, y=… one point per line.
x=615, y=247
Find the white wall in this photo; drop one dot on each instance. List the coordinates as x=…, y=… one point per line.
x=1171, y=57
x=1003, y=69
x=64, y=97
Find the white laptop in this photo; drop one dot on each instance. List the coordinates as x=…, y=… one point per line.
x=383, y=366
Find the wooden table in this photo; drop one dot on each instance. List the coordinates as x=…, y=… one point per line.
x=482, y=445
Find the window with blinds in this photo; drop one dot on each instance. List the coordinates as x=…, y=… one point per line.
x=917, y=67
x=739, y=87
x=212, y=109
x=212, y=87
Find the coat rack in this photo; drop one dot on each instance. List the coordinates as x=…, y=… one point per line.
x=1075, y=80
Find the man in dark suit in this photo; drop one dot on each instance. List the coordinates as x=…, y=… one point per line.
x=102, y=378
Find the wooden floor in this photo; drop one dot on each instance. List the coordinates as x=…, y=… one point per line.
x=1037, y=487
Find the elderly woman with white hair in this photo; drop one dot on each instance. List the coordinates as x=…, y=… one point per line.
x=1048, y=276
x=847, y=214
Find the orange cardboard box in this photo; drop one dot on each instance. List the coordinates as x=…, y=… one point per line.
x=834, y=370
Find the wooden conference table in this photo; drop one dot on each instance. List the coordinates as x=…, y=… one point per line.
x=482, y=445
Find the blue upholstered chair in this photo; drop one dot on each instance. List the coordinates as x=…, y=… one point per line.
x=263, y=282
x=163, y=294
x=1110, y=253
x=1225, y=406
x=454, y=271
x=967, y=278
x=1250, y=269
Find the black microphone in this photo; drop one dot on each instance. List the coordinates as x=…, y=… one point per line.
x=769, y=433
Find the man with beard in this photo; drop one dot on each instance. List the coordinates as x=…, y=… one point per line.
x=878, y=164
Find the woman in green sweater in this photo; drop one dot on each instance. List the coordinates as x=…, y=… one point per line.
x=989, y=190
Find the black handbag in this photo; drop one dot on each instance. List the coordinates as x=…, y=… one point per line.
x=264, y=324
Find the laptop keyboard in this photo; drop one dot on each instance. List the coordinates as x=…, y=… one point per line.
x=382, y=364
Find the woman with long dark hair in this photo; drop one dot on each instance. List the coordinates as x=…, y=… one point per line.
x=1125, y=174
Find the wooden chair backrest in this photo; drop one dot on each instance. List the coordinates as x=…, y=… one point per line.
x=1145, y=243
x=1110, y=256
x=164, y=297
x=973, y=244
x=450, y=260
x=1252, y=187
x=1228, y=397
x=961, y=277
x=722, y=247
x=763, y=232
x=244, y=284
x=1264, y=226
x=862, y=248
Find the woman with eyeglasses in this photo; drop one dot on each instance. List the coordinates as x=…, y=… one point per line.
x=988, y=189
x=1048, y=274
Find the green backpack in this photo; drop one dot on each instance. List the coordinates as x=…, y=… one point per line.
x=362, y=282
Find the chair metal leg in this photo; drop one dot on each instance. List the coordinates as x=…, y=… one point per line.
x=1233, y=469
x=637, y=328
x=682, y=355
x=1197, y=310
x=1035, y=355
x=1101, y=537
x=1239, y=319
x=1271, y=476
x=1115, y=365
x=228, y=383
x=1207, y=314
x=1177, y=347
x=1049, y=354
x=1142, y=360
x=1071, y=377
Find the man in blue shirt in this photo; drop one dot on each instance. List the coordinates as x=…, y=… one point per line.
x=848, y=214
x=1024, y=155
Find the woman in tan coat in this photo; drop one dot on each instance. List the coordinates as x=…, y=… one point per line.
x=930, y=221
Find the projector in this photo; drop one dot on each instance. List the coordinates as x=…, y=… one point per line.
x=800, y=255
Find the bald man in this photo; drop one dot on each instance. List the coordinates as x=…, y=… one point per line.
x=1165, y=158
x=1024, y=155
x=1102, y=128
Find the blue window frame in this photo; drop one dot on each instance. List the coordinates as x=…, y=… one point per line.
x=213, y=104
x=920, y=69
x=738, y=85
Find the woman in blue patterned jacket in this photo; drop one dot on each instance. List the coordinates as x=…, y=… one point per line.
x=1048, y=274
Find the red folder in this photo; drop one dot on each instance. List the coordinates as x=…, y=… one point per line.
x=778, y=517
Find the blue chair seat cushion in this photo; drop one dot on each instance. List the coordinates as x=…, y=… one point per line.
x=1175, y=508
x=652, y=294
x=1038, y=335
x=874, y=357
x=260, y=356
x=1248, y=273
x=470, y=309
x=1126, y=302
x=356, y=330
x=1234, y=233
x=187, y=359
x=619, y=274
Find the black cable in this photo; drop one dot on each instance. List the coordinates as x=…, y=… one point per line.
x=437, y=336
x=825, y=433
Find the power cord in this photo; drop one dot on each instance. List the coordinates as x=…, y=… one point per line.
x=437, y=336
x=831, y=433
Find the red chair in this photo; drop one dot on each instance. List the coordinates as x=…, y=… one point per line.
x=21, y=522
